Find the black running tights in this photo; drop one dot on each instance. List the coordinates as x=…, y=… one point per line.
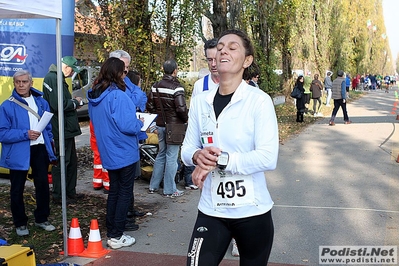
x=212, y=235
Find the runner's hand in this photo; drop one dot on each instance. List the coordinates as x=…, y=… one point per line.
x=199, y=175
x=206, y=160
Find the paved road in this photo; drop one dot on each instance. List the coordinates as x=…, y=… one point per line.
x=333, y=186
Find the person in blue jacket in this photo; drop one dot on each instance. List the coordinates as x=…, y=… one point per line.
x=23, y=146
x=116, y=127
x=347, y=83
x=134, y=92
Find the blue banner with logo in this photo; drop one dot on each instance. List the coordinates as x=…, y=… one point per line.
x=30, y=43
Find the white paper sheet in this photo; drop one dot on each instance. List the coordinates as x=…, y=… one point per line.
x=43, y=122
x=148, y=119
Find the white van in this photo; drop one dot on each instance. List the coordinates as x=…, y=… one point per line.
x=81, y=83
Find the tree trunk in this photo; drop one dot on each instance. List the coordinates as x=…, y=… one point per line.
x=219, y=17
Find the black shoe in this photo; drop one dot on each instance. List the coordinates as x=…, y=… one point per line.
x=139, y=214
x=76, y=196
x=135, y=214
x=130, y=220
x=129, y=226
x=57, y=201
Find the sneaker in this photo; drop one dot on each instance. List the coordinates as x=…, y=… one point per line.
x=234, y=250
x=315, y=115
x=46, y=226
x=331, y=123
x=348, y=122
x=22, y=230
x=192, y=187
x=175, y=194
x=123, y=241
x=152, y=190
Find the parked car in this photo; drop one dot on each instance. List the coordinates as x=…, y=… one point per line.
x=81, y=83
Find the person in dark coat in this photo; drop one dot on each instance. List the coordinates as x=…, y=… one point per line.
x=300, y=103
x=316, y=87
x=170, y=93
x=71, y=128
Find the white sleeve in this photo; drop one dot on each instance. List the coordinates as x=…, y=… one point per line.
x=192, y=139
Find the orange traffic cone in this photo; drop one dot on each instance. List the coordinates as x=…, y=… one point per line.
x=75, y=240
x=94, y=247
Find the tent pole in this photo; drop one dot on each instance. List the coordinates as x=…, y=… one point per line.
x=61, y=133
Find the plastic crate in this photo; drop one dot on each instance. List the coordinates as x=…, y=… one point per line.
x=17, y=255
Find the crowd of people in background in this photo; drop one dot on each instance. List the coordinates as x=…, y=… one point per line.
x=314, y=89
x=372, y=82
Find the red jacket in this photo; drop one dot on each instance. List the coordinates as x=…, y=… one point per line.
x=355, y=82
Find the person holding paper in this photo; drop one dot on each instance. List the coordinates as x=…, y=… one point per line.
x=116, y=128
x=23, y=147
x=43, y=122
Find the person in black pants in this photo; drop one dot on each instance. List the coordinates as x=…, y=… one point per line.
x=300, y=103
x=71, y=128
x=132, y=213
x=24, y=146
x=339, y=96
x=234, y=202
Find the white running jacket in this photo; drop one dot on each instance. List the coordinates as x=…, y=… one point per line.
x=247, y=130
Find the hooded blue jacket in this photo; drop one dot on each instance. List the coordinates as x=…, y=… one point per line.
x=14, y=126
x=139, y=99
x=116, y=127
x=134, y=92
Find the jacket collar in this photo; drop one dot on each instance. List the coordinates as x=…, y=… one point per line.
x=34, y=92
x=237, y=96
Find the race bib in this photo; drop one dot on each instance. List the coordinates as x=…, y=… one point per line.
x=231, y=191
